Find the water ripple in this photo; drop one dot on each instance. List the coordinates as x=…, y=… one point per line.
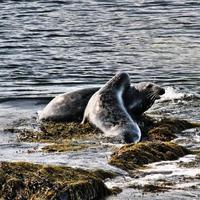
x=58, y=43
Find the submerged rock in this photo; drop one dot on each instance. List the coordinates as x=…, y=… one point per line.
x=32, y=181
x=154, y=188
x=132, y=156
x=192, y=164
x=65, y=147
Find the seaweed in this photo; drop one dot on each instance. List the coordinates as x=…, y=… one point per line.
x=133, y=156
x=153, y=188
x=164, y=129
x=63, y=147
x=57, y=132
x=22, y=180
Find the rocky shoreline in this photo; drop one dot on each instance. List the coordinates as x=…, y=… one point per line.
x=30, y=181
x=22, y=180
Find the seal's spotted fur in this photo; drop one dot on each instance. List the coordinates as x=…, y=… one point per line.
x=106, y=110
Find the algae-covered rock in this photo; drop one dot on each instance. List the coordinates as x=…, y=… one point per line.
x=162, y=133
x=32, y=181
x=132, y=156
x=154, y=188
x=57, y=132
x=104, y=174
x=177, y=125
x=63, y=135
x=63, y=147
x=164, y=129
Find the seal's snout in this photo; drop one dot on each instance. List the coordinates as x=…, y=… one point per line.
x=162, y=91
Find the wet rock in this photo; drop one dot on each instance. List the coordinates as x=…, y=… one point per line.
x=116, y=190
x=51, y=132
x=154, y=188
x=164, y=129
x=104, y=174
x=32, y=181
x=68, y=146
x=133, y=156
x=162, y=133
x=177, y=125
x=63, y=135
x=192, y=164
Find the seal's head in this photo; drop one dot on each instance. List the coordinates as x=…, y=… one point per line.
x=150, y=90
x=147, y=93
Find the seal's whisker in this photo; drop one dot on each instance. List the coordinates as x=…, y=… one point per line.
x=153, y=97
x=149, y=95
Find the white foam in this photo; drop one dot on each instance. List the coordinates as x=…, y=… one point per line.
x=172, y=94
x=166, y=170
x=184, y=185
x=38, y=112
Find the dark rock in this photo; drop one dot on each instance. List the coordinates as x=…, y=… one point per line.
x=32, y=181
x=133, y=156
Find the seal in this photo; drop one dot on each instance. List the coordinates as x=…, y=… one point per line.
x=106, y=110
x=70, y=106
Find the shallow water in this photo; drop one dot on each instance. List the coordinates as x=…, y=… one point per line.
x=50, y=47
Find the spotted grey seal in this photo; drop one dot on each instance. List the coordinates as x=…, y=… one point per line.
x=106, y=110
x=70, y=106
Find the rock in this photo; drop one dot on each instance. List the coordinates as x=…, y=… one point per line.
x=64, y=147
x=133, y=156
x=162, y=133
x=63, y=135
x=163, y=129
x=22, y=180
x=154, y=188
x=51, y=132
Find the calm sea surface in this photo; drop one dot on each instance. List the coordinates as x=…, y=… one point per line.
x=50, y=47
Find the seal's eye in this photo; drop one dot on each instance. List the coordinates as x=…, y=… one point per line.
x=149, y=86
